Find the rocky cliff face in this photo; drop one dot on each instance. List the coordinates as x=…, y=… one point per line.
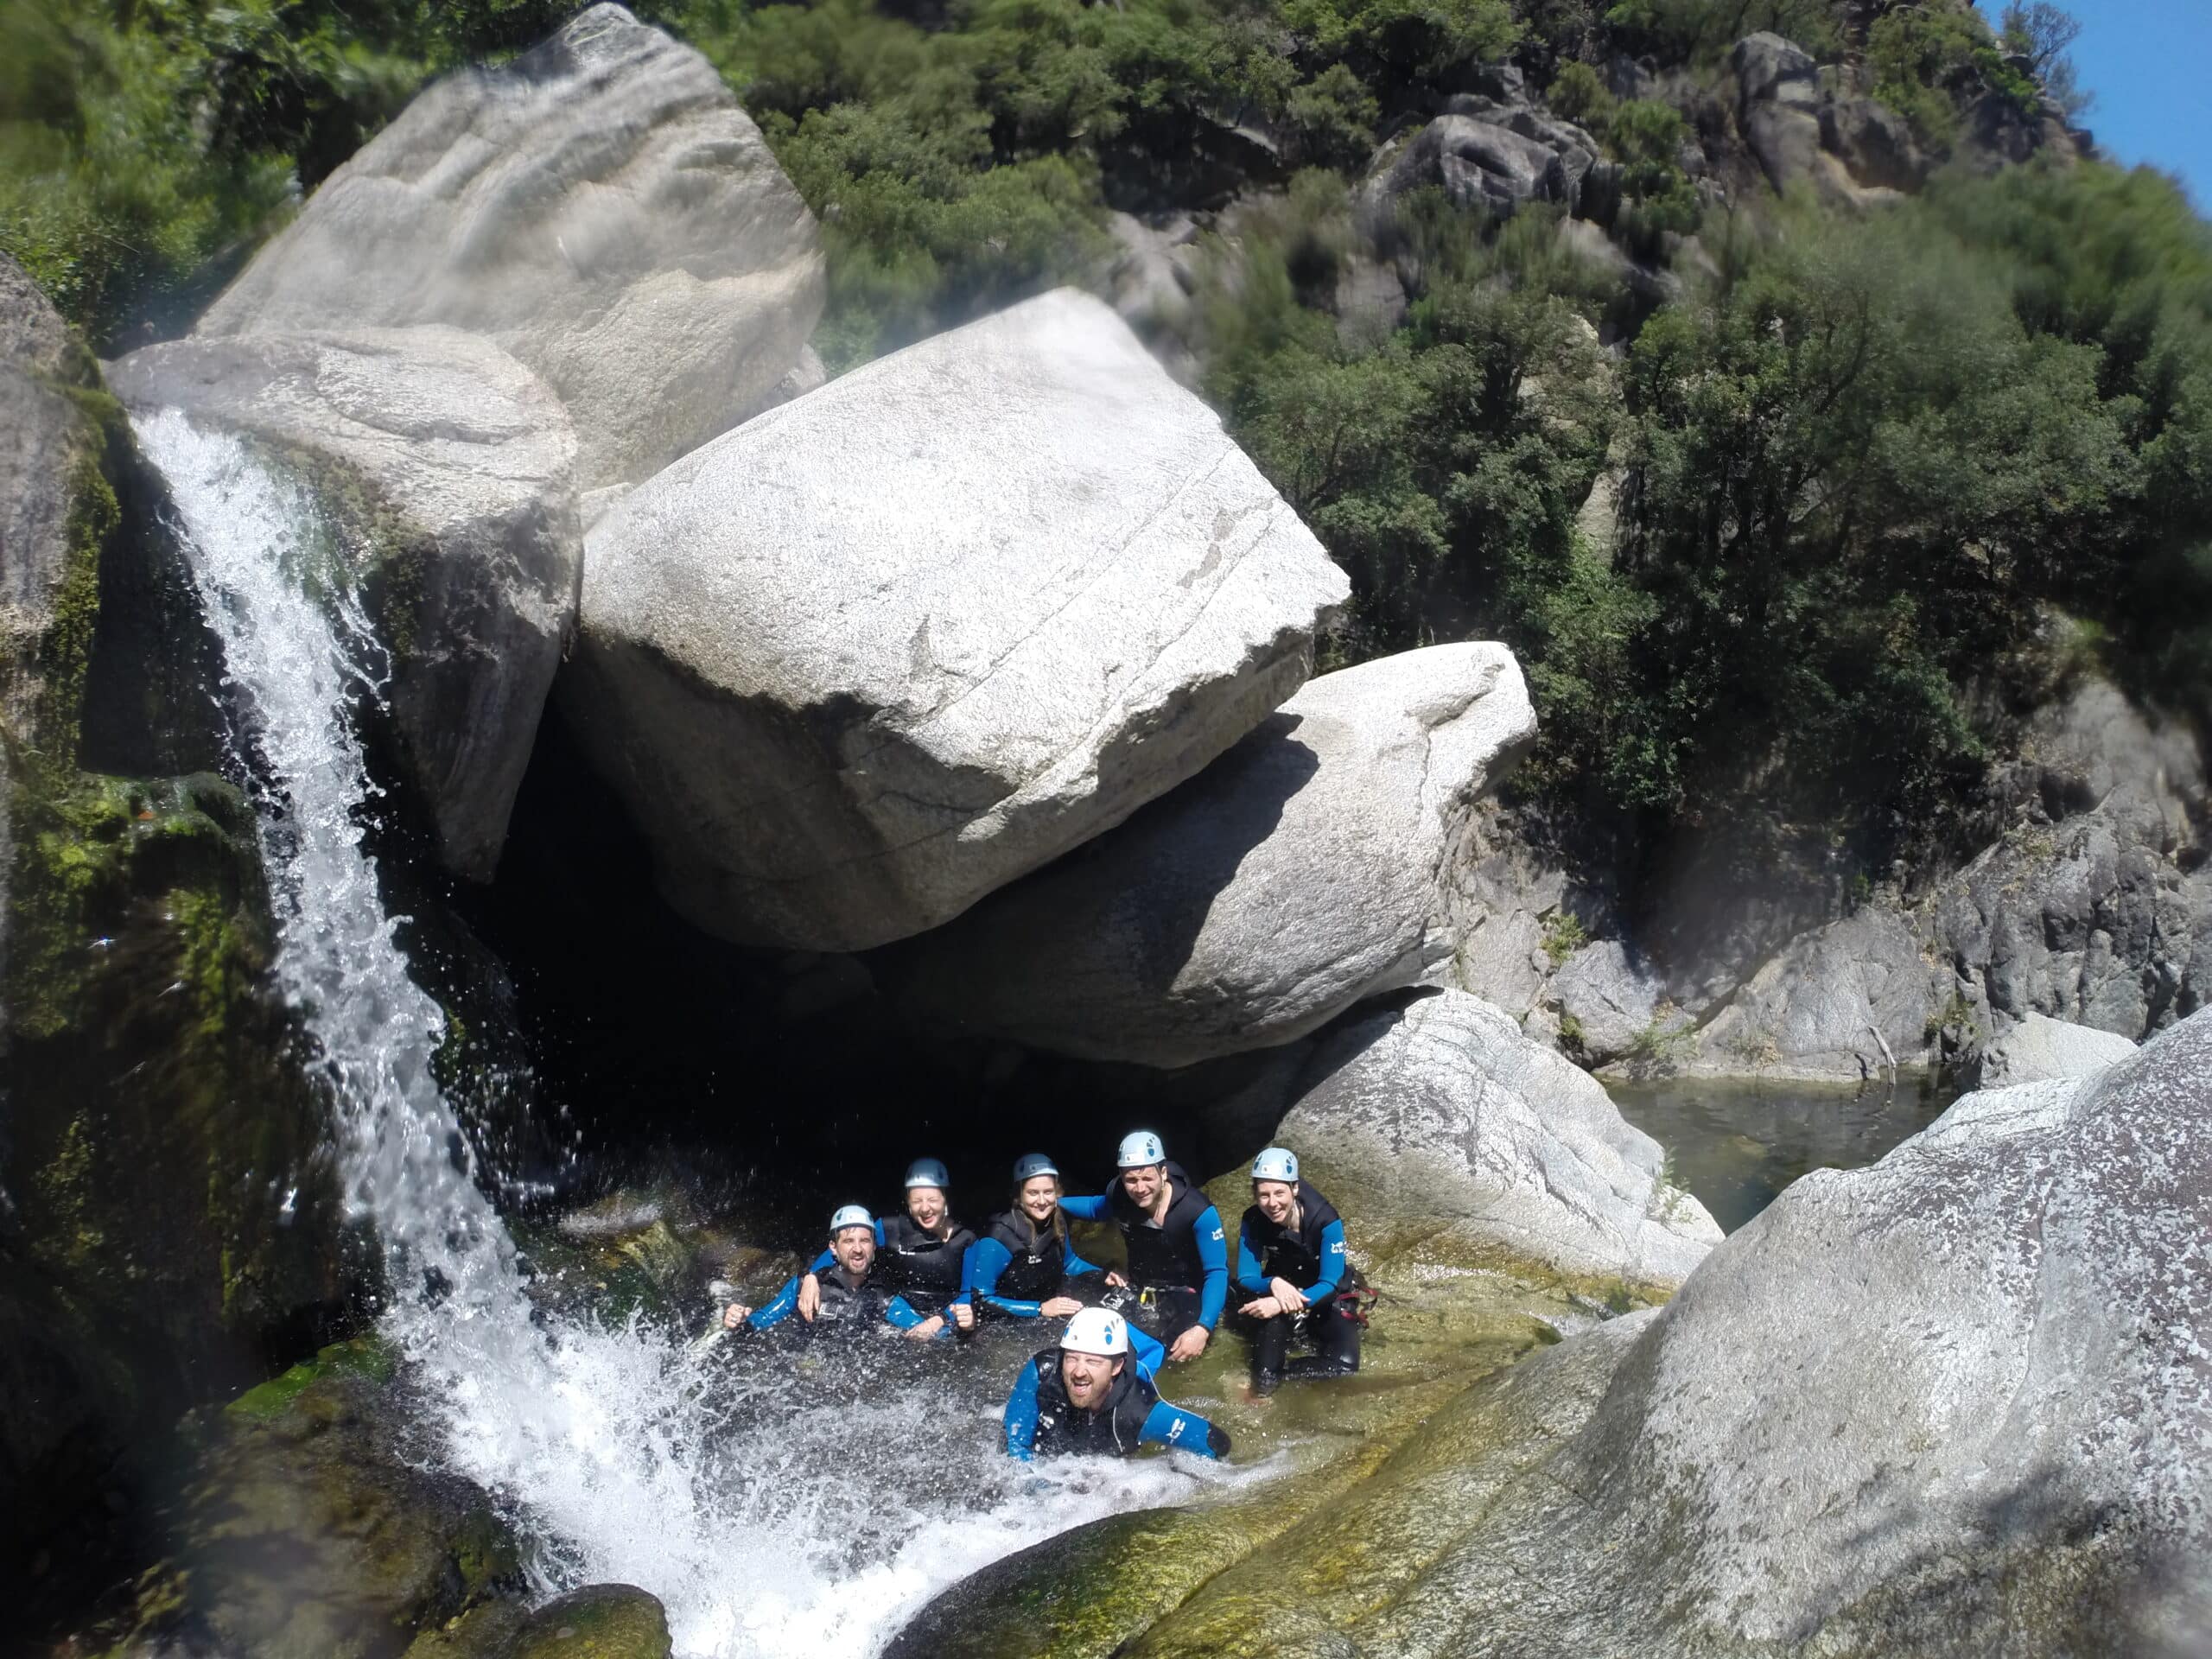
x=167, y=1214
x=2093, y=909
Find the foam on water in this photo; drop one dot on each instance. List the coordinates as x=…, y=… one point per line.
x=779, y=1502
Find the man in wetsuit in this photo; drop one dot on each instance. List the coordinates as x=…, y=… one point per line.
x=1178, y=1260
x=1024, y=1266
x=922, y=1254
x=851, y=1298
x=1094, y=1394
x=1290, y=1256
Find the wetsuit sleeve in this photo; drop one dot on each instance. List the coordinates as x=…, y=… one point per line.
x=987, y=1259
x=1145, y=1353
x=1333, y=1262
x=1185, y=1431
x=1021, y=1414
x=1073, y=1266
x=900, y=1311
x=1088, y=1209
x=778, y=1308
x=1250, y=1276
x=1213, y=1256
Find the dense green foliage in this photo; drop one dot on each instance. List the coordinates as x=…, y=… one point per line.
x=1860, y=462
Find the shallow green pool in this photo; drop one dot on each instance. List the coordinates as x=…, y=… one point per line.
x=1736, y=1144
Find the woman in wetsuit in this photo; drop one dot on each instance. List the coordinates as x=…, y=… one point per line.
x=1023, y=1266
x=1291, y=1260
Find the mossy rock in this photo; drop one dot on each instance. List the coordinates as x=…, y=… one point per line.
x=174, y=1221
x=1442, y=1335
x=305, y=1527
x=601, y=1621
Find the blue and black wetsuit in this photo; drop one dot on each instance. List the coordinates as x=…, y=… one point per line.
x=1181, y=1266
x=847, y=1309
x=1313, y=1258
x=1042, y=1422
x=929, y=1271
x=1015, y=1267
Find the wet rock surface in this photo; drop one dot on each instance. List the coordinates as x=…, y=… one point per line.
x=603, y=1621
x=1295, y=876
x=600, y=208
x=904, y=639
x=168, y=1213
x=446, y=471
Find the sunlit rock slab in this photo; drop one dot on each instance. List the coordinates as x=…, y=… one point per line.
x=444, y=470
x=1440, y=1121
x=2040, y=1048
x=601, y=207
x=1298, y=875
x=903, y=639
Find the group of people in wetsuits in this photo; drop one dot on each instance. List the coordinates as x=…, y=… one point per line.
x=1095, y=1390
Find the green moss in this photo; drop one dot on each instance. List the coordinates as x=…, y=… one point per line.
x=602, y=1622
x=363, y=1357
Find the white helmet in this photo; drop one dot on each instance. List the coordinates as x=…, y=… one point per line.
x=851, y=1216
x=1141, y=1148
x=1275, y=1164
x=1097, y=1331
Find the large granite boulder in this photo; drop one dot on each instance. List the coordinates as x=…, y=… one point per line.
x=909, y=637
x=1296, y=876
x=2038, y=1049
x=445, y=470
x=1440, y=1122
x=600, y=207
x=1477, y=163
x=1854, y=999
x=1772, y=70
x=1607, y=1001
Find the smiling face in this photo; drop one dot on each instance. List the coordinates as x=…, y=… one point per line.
x=926, y=1205
x=1143, y=1182
x=855, y=1248
x=1087, y=1377
x=1039, y=1197
x=1274, y=1199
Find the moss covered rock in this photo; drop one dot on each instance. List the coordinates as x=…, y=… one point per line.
x=305, y=1528
x=169, y=1219
x=602, y=1621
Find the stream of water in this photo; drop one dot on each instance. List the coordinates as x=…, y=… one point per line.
x=778, y=1504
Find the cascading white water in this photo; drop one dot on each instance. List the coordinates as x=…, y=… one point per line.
x=776, y=1508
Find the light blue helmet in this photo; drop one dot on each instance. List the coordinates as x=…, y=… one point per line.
x=851, y=1216
x=1028, y=1168
x=929, y=1171
x=1275, y=1164
x=1097, y=1330
x=1141, y=1148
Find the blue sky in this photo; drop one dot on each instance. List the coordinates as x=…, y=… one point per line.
x=2150, y=64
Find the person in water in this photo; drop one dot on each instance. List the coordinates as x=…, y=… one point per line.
x=850, y=1295
x=1094, y=1393
x=1290, y=1255
x=922, y=1254
x=1023, y=1266
x=1179, y=1263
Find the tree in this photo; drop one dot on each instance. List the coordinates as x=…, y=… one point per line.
x=2043, y=32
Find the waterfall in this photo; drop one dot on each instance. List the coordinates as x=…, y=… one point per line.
x=779, y=1508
